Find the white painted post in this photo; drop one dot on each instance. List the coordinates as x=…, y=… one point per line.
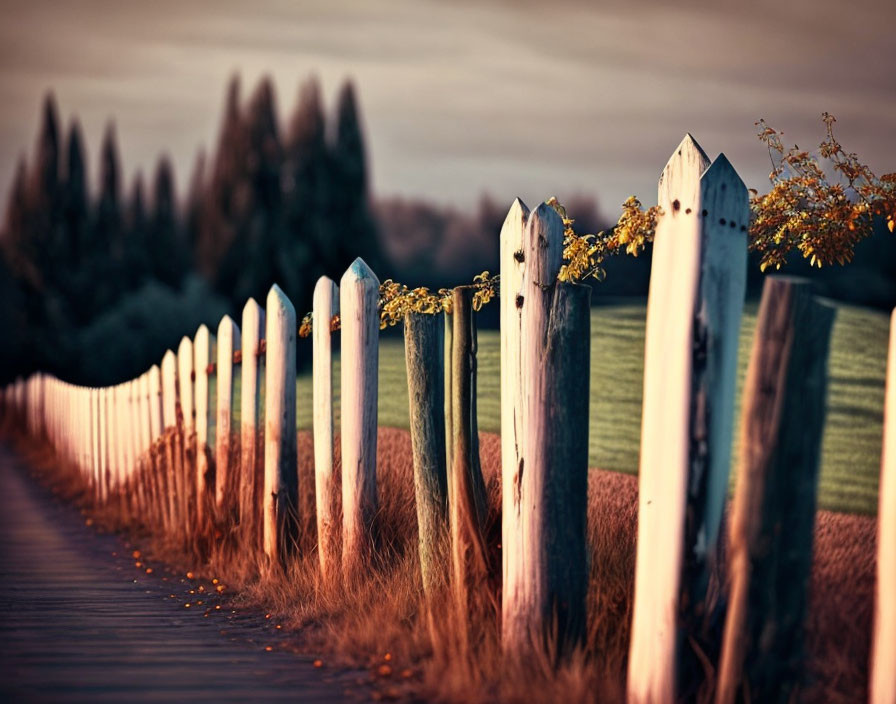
x=186, y=481
x=154, y=398
x=205, y=481
x=693, y=321
x=325, y=306
x=513, y=265
x=882, y=685
x=169, y=390
x=169, y=426
x=281, y=478
x=358, y=298
x=251, y=379
x=228, y=342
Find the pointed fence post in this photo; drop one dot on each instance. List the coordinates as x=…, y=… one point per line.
x=281, y=479
x=251, y=379
x=157, y=465
x=547, y=575
x=329, y=531
x=882, y=685
x=358, y=299
x=424, y=349
x=187, y=441
x=773, y=513
x=203, y=349
x=228, y=342
x=513, y=264
x=170, y=429
x=693, y=321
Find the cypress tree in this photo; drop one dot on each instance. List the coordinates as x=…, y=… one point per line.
x=137, y=234
x=195, y=212
x=75, y=213
x=165, y=245
x=110, y=268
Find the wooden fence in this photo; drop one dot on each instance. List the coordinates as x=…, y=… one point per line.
x=157, y=445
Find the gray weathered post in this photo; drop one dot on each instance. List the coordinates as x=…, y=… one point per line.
x=773, y=513
x=359, y=339
x=281, y=480
x=329, y=531
x=251, y=378
x=548, y=342
x=228, y=342
x=882, y=685
x=424, y=349
x=693, y=321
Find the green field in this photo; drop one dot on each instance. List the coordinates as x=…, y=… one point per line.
x=852, y=441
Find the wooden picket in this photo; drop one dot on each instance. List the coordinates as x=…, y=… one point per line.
x=228, y=342
x=203, y=345
x=251, y=379
x=358, y=295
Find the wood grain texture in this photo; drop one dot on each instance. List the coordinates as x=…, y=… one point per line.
x=228, y=341
x=251, y=413
x=424, y=350
x=359, y=340
x=325, y=304
x=281, y=479
x=154, y=379
x=882, y=686
x=525, y=591
x=773, y=512
x=666, y=427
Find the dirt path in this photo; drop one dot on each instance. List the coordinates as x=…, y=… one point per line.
x=79, y=623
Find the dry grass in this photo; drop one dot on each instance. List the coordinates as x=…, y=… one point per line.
x=380, y=620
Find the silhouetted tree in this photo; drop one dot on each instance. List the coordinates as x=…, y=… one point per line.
x=137, y=254
x=352, y=222
x=108, y=240
x=165, y=244
x=196, y=210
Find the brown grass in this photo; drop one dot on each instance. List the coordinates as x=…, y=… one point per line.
x=381, y=621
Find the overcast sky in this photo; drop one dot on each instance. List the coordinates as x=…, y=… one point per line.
x=514, y=98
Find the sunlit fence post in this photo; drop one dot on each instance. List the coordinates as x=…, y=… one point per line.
x=882, y=687
x=329, y=533
x=281, y=481
x=205, y=471
x=693, y=322
x=228, y=342
x=358, y=296
x=251, y=379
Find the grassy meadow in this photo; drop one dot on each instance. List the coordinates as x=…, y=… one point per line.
x=852, y=441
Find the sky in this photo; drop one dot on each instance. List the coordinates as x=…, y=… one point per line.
x=527, y=99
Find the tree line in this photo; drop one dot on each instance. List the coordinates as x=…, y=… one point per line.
x=79, y=270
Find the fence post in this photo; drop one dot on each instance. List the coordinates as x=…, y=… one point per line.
x=170, y=428
x=187, y=440
x=251, y=378
x=281, y=477
x=882, y=686
x=773, y=513
x=467, y=510
x=157, y=463
x=205, y=472
x=693, y=321
x=513, y=264
x=228, y=342
x=325, y=305
x=448, y=416
x=358, y=299
x=424, y=349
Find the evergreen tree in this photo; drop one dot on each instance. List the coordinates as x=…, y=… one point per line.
x=14, y=230
x=352, y=223
x=108, y=237
x=196, y=210
x=165, y=245
x=307, y=189
x=75, y=212
x=137, y=252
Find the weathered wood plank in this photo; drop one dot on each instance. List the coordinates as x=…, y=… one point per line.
x=329, y=529
x=203, y=350
x=424, y=349
x=882, y=686
x=359, y=340
x=281, y=481
x=773, y=513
